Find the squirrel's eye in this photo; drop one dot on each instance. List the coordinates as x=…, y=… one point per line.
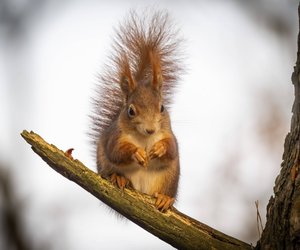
x=131, y=111
x=162, y=108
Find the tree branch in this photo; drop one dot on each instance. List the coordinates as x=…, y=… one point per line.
x=173, y=227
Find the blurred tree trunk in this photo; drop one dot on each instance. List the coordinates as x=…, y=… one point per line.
x=282, y=230
x=11, y=224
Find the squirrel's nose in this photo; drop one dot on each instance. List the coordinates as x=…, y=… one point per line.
x=150, y=131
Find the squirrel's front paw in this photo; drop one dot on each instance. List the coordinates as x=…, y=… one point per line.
x=140, y=156
x=158, y=150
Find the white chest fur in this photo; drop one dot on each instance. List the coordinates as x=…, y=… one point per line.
x=147, y=180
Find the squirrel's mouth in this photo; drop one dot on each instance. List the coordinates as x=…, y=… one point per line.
x=146, y=131
x=150, y=131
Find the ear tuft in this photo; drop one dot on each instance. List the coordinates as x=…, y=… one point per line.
x=127, y=83
x=157, y=78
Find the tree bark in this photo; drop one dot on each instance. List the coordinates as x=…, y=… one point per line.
x=173, y=227
x=282, y=230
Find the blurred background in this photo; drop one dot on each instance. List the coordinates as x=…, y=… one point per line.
x=230, y=114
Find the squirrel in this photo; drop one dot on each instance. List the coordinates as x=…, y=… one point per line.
x=135, y=145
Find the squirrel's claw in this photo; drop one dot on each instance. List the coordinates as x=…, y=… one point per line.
x=158, y=150
x=119, y=181
x=163, y=202
x=140, y=157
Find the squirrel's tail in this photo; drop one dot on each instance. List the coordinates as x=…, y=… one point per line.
x=137, y=38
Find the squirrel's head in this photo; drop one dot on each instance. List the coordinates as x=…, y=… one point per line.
x=143, y=107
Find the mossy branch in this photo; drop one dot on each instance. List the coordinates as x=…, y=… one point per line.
x=173, y=227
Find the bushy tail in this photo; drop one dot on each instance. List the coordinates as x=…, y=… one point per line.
x=137, y=38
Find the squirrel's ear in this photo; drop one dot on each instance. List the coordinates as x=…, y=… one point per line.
x=127, y=82
x=157, y=78
x=127, y=85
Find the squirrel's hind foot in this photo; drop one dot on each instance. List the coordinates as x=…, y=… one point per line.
x=119, y=181
x=163, y=202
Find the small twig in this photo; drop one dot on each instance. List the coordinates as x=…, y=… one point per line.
x=258, y=220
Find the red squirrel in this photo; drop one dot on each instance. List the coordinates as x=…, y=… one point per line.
x=135, y=145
